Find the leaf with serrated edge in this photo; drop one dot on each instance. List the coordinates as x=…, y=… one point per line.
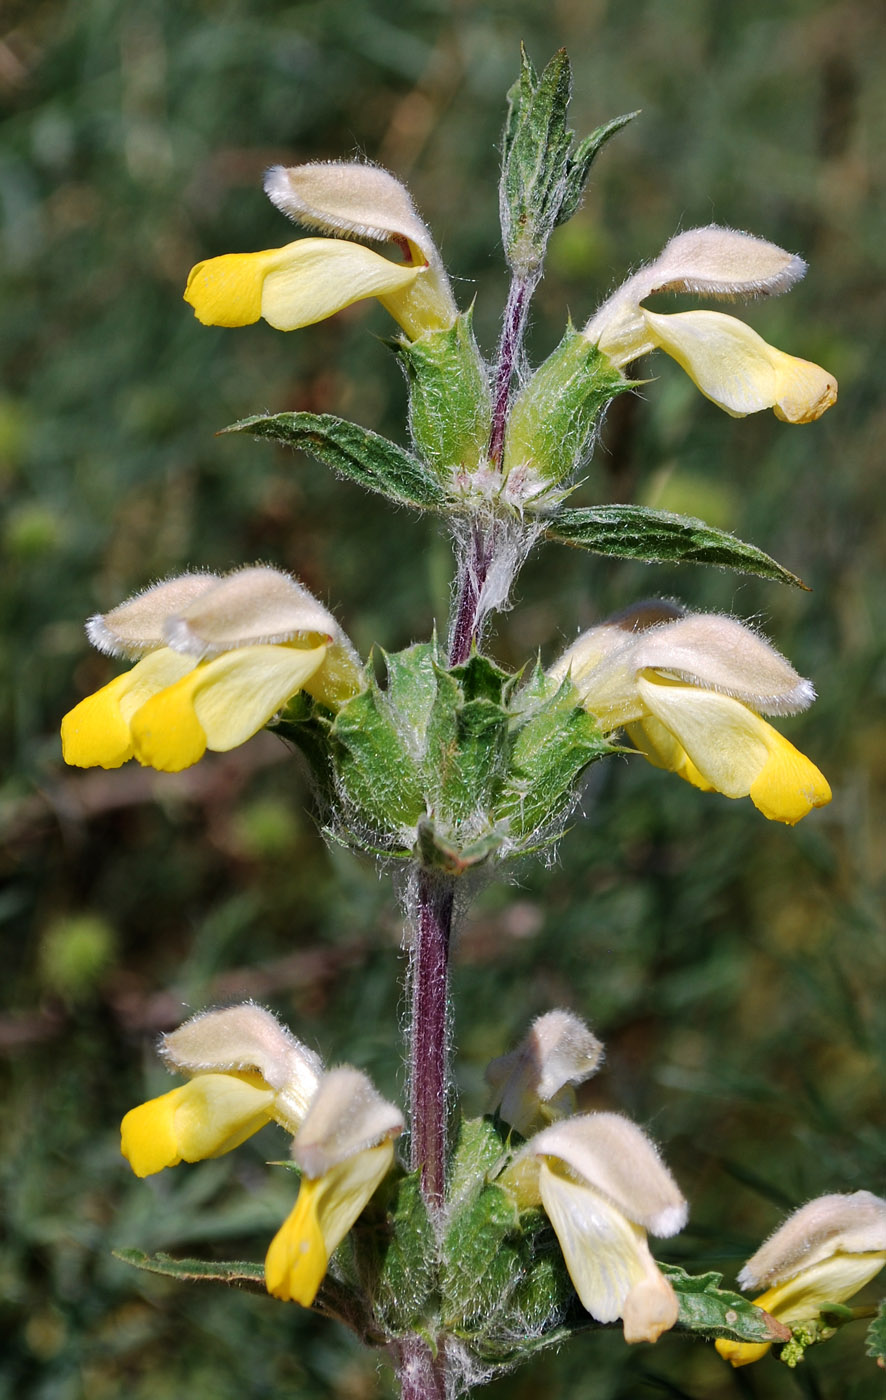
x=354, y=452
x=581, y=160
x=876, y=1336
x=711, y=1311
x=659, y=537
x=237, y=1271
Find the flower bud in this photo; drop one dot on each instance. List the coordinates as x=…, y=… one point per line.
x=347, y=1115
x=534, y=1084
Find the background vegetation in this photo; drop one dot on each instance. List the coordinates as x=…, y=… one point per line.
x=735, y=969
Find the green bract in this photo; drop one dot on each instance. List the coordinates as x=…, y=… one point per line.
x=450, y=765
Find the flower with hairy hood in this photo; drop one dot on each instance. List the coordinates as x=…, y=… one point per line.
x=345, y=1148
x=311, y=279
x=690, y=689
x=603, y=1185
x=535, y=1084
x=219, y=658
x=728, y=361
x=823, y=1253
x=245, y=1068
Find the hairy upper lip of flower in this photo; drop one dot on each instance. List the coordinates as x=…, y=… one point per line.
x=729, y=362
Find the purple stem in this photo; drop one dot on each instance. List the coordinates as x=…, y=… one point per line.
x=422, y=1375
x=509, y=347
x=473, y=567
x=429, y=1040
x=476, y=561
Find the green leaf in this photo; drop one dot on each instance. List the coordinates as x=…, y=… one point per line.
x=449, y=398
x=404, y=1259
x=354, y=452
x=541, y=182
x=483, y=1259
x=412, y=686
x=554, y=740
x=241, y=1272
x=519, y=95
x=711, y=1311
x=478, y=1148
x=537, y=145
x=657, y=536
x=378, y=774
x=467, y=735
x=876, y=1336
x=581, y=160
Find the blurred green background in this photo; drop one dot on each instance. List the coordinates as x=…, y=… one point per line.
x=734, y=968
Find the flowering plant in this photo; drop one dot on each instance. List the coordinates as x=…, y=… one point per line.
x=461, y=1246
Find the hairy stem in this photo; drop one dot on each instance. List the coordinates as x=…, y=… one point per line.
x=473, y=568
x=478, y=555
x=429, y=1034
x=422, y=1375
x=510, y=348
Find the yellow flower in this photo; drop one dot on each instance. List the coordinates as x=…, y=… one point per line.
x=823, y=1253
x=246, y=1069
x=603, y=1185
x=729, y=362
x=220, y=657
x=535, y=1084
x=345, y=1149
x=313, y=278
x=690, y=690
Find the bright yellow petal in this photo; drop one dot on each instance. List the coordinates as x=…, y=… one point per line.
x=738, y=370
x=741, y=1353
x=216, y=1112
x=227, y=291
x=323, y=275
x=663, y=751
x=147, y=1135
x=734, y=750
x=326, y=1208
x=833, y=1280
x=789, y=786
x=297, y=1259
x=96, y=733
x=206, y=1117
x=220, y=704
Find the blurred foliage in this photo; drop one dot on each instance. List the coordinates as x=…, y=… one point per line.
x=734, y=969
